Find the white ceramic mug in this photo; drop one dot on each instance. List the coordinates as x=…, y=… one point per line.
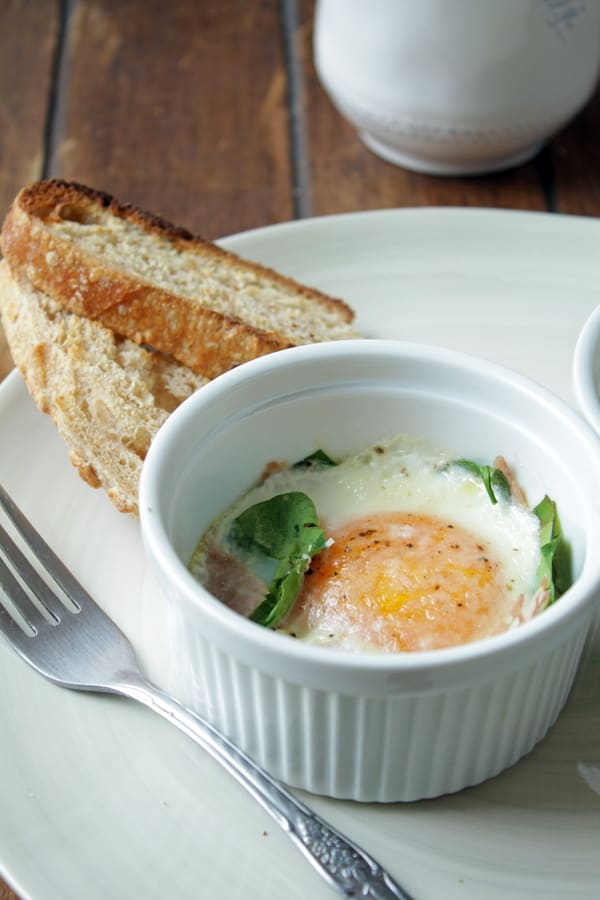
x=457, y=86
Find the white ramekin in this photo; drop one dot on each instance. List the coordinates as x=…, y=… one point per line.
x=370, y=727
x=586, y=370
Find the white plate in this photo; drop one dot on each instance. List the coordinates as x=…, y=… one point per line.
x=101, y=800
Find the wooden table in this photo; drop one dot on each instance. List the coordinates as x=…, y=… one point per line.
x=209, y=113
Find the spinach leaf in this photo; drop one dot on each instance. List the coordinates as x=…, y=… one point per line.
x=554, y=571
x=284, y=528
x=493, y=479
x=318, y=458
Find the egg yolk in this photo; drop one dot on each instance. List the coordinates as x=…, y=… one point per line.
x=401, y=582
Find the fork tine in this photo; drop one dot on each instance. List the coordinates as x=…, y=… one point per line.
x=84, y=651
x=35, y=583
x=46, y=556
x=31, y=616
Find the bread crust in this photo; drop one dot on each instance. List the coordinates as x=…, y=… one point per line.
x=207, y=341
x=106, y=395
x=107, y=348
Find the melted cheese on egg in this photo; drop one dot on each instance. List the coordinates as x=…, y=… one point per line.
x=418, y=557
x=395, y=581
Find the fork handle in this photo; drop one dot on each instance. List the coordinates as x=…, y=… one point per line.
x=345, y=866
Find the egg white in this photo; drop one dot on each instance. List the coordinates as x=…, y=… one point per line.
x=409, y=476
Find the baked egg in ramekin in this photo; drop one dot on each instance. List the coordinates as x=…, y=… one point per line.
x=371, y=704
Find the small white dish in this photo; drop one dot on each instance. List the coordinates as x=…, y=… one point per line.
x=457, y=88
x=586, y=370
x=369, y=726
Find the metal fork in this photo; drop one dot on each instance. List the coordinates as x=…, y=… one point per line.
x=71, y=641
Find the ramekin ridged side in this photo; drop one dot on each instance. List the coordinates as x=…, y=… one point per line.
x=370, y=727
x=323, y=741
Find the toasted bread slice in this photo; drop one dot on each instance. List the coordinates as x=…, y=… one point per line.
x=107, y=396
x=157, y=284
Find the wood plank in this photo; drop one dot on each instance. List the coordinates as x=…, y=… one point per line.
x=25, y=85
x=6, y=893
x=345, y=176
x=186, y=114
x=575, y=157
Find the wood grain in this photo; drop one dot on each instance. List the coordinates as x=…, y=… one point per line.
x=186, y=114
x=25, y=89
x=25, y=97
x=575, y=161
